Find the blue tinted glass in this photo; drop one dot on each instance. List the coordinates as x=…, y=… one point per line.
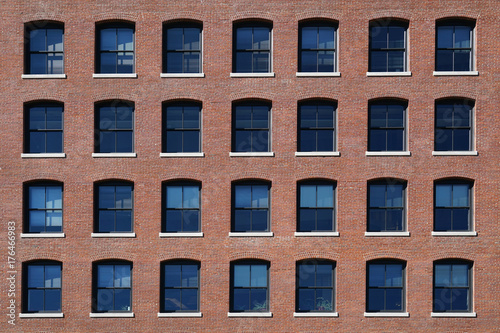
x=442, y=275
x=244, y=38
x=325, y=140
x=378, y=37
x=122, y=276
x=376, y=276
x=394, y=298
x=258, y=276
x=106, y=197
x=460, y=299
x=191, y=116
x=444, y=60
x=191, y=198
x=174, y=117
x=123, y=221
x=442, y=219
x=174, y=220
x=38, y=63
x=105, y=276
x=35, y=300
x=243, y=116
x=242, y=220
x=460, y=219
x=378, y=61
x=191, y=142
x=189, y=275
x=325, y=220
x=461, y=60
x=445, y=37
x=54, y=117
x=377, y=195
x=259, y=220
x=308, y=196
x=308, y=114
x=444, y=195
x=52, y=300
x=260, y=38
x=174, y=142
x=125, y=62
x=324, y=301
x=325, y=116
x=37, y=221
x=174, y=39
x=462, y=37
x=108, y=63
x=395, y=115
x=123, y=197
x=191, y=221
x=394, y=196
x=309, y=61
x=394, y=220
x=53, y=221
x=307, y=220
x=395, y=140
x=124, y=117
x=307, y=275
x=37, y=197
x=190, y=299
x=378, y=115
x=105, y=300
x=174, y=196
x=37, y=142
x=324, y=275
x=306, y=300
x=36, y=276
x=243, y=62
x=258, y=299
x=259, y=196
x=444, y=139
x=191, y=38
x=124, y=142
x=125, y=39
x=442, y=299
x=55, y=40
x=395, y=61
x=460, y=195
x=326, y=61
x=241, y=299
x=308, y=140
x=55, y=63
x=122, y=300
x=172, y=300
x=260, y=141
x=309, y=37
x=260, y=62
x=191, y=63
x=243, y=196
x=325, y=196
x=37, y=118
x=242, y=141
x=173, y=275
x=260, y=116
x=174, y=62
x=376, y=220
x=38, y=40
x=241, y=276
x=376, y=300
x=460, y=275
x=52, y=276
x=106, y=221
x=394, y=275
x=326, y=38
x=396, y=37
x=108, y=39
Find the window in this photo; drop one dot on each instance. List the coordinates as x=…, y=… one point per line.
x=115, y=127
x=387, y=126
x=316, y=206
x=249, y=286
x=315, y=286
x=44, y=128
x=250, y=207
x=115, y=48
x=182, y=207
x=453, y=125
x=452, y=210
x=317, y=42
x=44, y=50
x=317, y=126
x=386, y=211
x=115, y=207
x=252, y=48
x=42, y=283
x=251, y=127
x=385, y=291
x=388, y=46
x=180, y=286
x=452, y=286
x=454, y=41
x=182, y=48
x=112, y=287
x=182, y=127
x=44, y=208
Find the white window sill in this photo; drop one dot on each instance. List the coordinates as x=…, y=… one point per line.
x=316, y=234
x=453, y=315
x=182, y=154
x=251, y=74
x=180, y=315
x=454, y=233
x=42, y=315
x=257, y=154
x=316, y=153
x=315, y=314
x=113, y=235
x=252, y=234
x=181, y=75
x=44, y=235
x=112, y=315
x=43, y=155
x=181, y=234
x=113, y=155
x=115, y=76
x=317, y=74
x=466, y=73
x=387, y=314
x=250, y=314
x=43, y=76
x=388, y=73
x=387, y=234
x=388, y=153
x=454, y=153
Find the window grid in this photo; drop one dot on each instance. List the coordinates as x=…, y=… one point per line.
x=387, y=214
x=452, y=293
x=252, y=48
x=179, y=216
x=118, y=216
x=323, y=208
x=452, y=212
x=254, y=287
x=387, y=121
x=43, y=287
x=455, y=53
x=46, y=216
x=113, y=294
x=323, y=299
x=251, y=127
x=184, y=57
x=388, y=47
x=115, y=128
x=453, y=126
x=45, y=135
x=116, y=49
x=317, y=122
x=393, y=291
x=186, y=288
x=318, y=47
x=182, y=135
x=46, y=53
x=252, y=215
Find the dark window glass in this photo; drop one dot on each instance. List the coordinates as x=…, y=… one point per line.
x=387, y=126
x=453, y=126
x=115, y=49
x=182, y=128
x=182, y=207
x=385, y=287
x=251, y=127
x=386, y=202
x=454, y=46
x=387, y=47
x=45, y=54
x=252, y=49
x=44, y=123
x=317, y=207
x=315, y=286
x=452, y=211
x=115, y=127
x=317, y=127
x=317, y=47
x=182, y=48
x=180, y=286
x=113, y=287
x=249, y=287
x=43, y=287
x=115, y=208
x=452, y=283
x=250, y=207
x=44, y=208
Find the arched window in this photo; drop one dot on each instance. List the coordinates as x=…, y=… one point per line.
x=316, y=201
x=385, y=286
x=114, y=125
x=251, y=205
x=112, y=286
x=452, y=286
x=114, y=207
x=315, y=286
x=386, y=205
x=180, y=286
x=42, y=283
x=44, y=52
x=249, y=286
x=182, y=203
x=182, y=47
x=115, y=47
x=43, y=202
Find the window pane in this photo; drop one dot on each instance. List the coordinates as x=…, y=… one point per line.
x=377, y=195
x=122, y=276
x=444, y=60
x=325, y=220
x=396, y=37
x=242, y=220
x=306, y=300
x=124, y=117
x=261, y=38
x=191, y=38
x=376, y=276
x=460, y=195
x=395, y=61
x=106, y=142
x=460, y=299
x=105, y=299
x=35, y=300
x=37, y=40
x=394, y=196
x=326, y=61
x=191, y=220
x=106, y=221
x=108, y=39
x=123, y=197
x=378, y=115
x=174, y=62
x=38, y=64
x=393, y=300
x=442, y=275
x=260, y=62
x=259, y=220
x=460, y=219
x=460, y=275
x=191, y=197
x=55, y=63
x=174, y=196
x=326, y=38
x=375, y=300
x=324, y=300
x=108, y=63
x=461, y=60
x=122, y=300
x=191, y=117
x=55, y=40
x=52, y=276
x=462, y=37
x=174, y=117
x=125, y=62
x=172, y=300
x=378, y=61
x=309, y=37
x=308, y=196
x=445, y=37
x=259, y=196
x=173, y=275
x=395, y=115
x=54, y=118
x=37, y=142
x=53, y=221
x=244, y=62
x=174, y=38
x=242, y=275
x=308, y=116
x=325, y=140
x=325, y=196
x=307, y=275
x=258, y=276
x=309, y=61
x=125, y=39
x=189, y=275
x=106, y=197
x=36, y=276
x=105, y=276
x=174, y=142
x=241, y=299
x=191, y=142
x=37, y=197
x=307, y=220
x=243, y=116
x=124, y=142
x=174, y=220
x=442, y=220
x=325, y=116
x=378, y=37
x=191, y=62
x=260, y=116
x=324, y=275
x=394, y=275
x=444, y=140
x=394, y=219
x=442, y=300
x=259, y=300
x=443, y=195
x=52, y=300
x=308, y=140
x=37, y=221
x=243, y=196
x=190, y=300
x=244, y=38
x=123, y=221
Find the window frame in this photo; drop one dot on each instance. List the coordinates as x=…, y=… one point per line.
x=318, y=23
x=317, y=103
x=115, y=104
x=387, y=182
x=387, y=128
x=456, y=22
x=181, y=24
x=258, y=23
x=252, y=130
x=100, y=26
x=39, y=26
x=27, y=127
x=457, y=103
x=386, y=262
x=315, y=262
x=251, y=183
x=317, y=182
x=386, y=23
x=98, y=209
x=163, y=288
x=181, y=183
x=469, y=287
x=470, y=196
x=26, y=288
x=233, y=288
x=27, y=209
x=96, y=288
x=165, y=129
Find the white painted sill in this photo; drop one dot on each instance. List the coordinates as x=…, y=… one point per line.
x=387, y=234
x=316, y=234
x=180, y=315
x=42, y=315
x=181, y=75
x=317, y=74
x=455, y=153
x=316, y=153
x=453, y=315
x=115, y=76
x=315, y=314
x=114, y=155
x=445, y=73
x=182, y=154
x=252, y=74
x=43, y=155
x=113, y=235
x=454, y=233
x=44, y=235
x=112, y=315
x=252, y=234
x=180, y=234
x=43, y=76
x=387, y=314
x=259, y=154
x=388, y=153
x=388, y=73
x=250, y=314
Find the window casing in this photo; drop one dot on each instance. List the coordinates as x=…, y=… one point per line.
x=45, y=48
x=453, y=125
x=249, y=286
x=315, y=286
x=44, y=207
x=112, y=290
x=182, y=48
x=114, y=207
x=454, y=45
x=42, y=287
x=452, y=286
x=317, y=123
x=453, y=206
x=180, y=286
x=386, y=205
x=182, y=127
x=115, y=127
x=251, y=207
x=182, y=207
x=318, y=47
x=385, y=286
x=115, y=48
x=251, y=124
x=316, y=206
x=252, y=47
x=44, y=127
x=386, y=126
x=388, y=46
